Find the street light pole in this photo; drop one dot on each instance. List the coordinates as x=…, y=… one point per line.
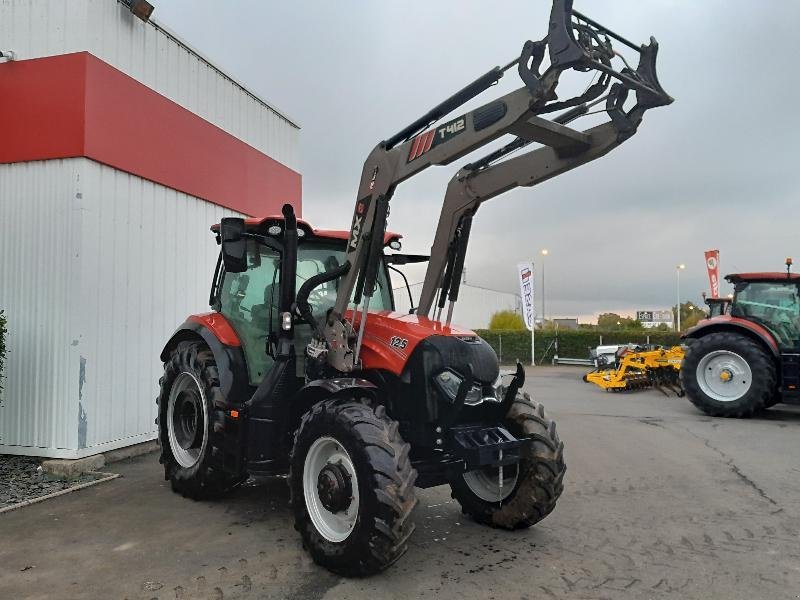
x=679, y=268
x=545, y=252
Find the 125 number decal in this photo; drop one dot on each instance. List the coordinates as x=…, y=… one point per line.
x=398, y=342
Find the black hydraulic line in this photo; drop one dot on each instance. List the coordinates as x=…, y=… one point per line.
x=461, y=252
x=497, y=154
x=448, y=274
x=481, y=84
x=359, y=287
x=606, y=30
x=302, y=307
x=375, y=253
x=571, y=114
x=562, y=119
x=408, y=287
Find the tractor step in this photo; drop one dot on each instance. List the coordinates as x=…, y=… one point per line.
x=790, y=374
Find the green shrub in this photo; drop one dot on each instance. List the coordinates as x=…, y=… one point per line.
x=2, y=346
x=516, y=345
x=507, y=320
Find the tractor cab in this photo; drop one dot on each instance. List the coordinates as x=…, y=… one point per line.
x=771, y=300
x=249, y=299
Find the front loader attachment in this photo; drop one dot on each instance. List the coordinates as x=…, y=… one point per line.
x=573, y=42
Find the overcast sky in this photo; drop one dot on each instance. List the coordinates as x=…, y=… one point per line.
x=717, y=169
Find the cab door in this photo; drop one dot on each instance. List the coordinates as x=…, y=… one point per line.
x=250, y=302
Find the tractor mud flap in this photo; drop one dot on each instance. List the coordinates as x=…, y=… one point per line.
x=485, y=446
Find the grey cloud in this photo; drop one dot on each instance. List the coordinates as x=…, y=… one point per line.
x=715, y=169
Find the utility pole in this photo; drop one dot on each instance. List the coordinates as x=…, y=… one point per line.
x=679, y=268
x=545, y=252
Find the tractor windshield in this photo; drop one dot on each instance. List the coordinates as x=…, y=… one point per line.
x=774, y=305
x=315, y=257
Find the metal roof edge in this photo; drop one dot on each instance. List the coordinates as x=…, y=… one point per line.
x=175, y=38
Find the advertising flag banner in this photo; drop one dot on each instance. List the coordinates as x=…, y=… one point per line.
x=712, y=263
x=525, y=271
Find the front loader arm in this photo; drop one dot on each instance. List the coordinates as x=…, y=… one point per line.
x=573, y=42
x=485, y=179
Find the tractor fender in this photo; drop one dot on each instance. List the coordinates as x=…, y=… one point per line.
x=321, y=389
x=750, y=329
x=231, y=365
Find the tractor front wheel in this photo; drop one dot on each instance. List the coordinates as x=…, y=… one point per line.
x=352, y=487
x=190, y=423
x=526, y=492
x=726, y=374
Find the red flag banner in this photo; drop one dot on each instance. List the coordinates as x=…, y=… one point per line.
x=712, y=263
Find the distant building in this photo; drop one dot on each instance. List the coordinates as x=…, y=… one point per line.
x=475, y=305
x=566, y=323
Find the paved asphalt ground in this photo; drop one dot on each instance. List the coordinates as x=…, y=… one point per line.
x=660, y=502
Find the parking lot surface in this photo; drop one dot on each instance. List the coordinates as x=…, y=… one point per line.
x=660, y=502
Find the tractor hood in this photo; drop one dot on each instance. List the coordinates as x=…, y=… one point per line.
x=391, y=337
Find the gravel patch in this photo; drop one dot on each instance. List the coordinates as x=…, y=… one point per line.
x=21, y=479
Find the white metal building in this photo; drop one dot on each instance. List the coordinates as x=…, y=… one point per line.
x=120, y=146
x=475, y=305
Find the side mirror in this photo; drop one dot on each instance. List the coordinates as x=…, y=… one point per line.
x=234, y=245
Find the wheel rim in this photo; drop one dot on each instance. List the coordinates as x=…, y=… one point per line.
x=187, y=419
x=485, y=483
x=330, y=487
x=724, y=376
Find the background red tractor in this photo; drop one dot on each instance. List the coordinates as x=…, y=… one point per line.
x=748, y=358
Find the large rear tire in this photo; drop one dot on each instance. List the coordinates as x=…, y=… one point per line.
x=531, y=488
x=352, y=487
x=726, y=374
x=191, y=421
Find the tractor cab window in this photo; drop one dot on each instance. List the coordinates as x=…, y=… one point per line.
x=318, y=257
x=774, y=305
x=249, y=301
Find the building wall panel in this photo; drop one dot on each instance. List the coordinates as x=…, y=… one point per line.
x=147, y=261
x=40, y=212
x=98, y=268
x=155, y=57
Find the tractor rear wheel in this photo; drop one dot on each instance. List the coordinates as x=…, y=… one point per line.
x=726, y=374
x=352, y=487
x=529, y=489
x=190, y=423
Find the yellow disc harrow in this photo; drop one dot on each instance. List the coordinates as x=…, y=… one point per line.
x=636, y=370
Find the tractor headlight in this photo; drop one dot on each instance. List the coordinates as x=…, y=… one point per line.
x=498, y=389
x=448, y=383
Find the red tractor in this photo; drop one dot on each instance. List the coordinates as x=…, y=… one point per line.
x=359, y=404
x=747, y=358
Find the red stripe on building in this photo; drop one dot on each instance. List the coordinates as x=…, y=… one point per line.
x=77, y=105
